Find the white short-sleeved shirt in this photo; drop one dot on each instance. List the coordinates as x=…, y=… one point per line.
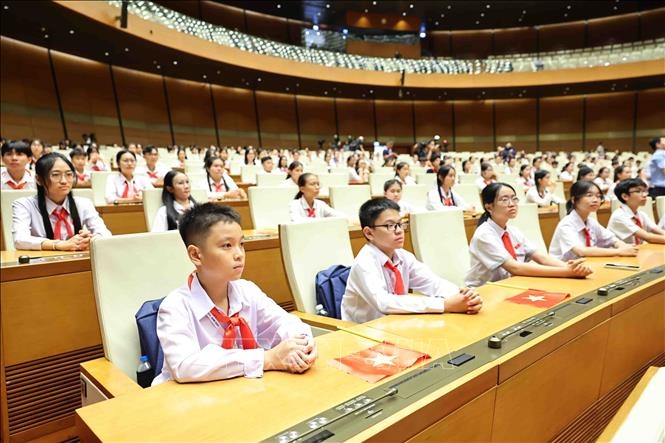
x=434, y=199
x=570, y=233
x=298, y=210
x=405, y=208
x=154, y=175
x=160, y=223
x=408, y=180
x=99, y=166
x=370, y=289
x=28, y=225
x=191, y=339
x=25, y=183
x=566, y=176
x=610, y=192
x=604, y=183
x=217, y=190
x=83, y=176
x=115, y=186
x=546, y=199
x=288, y=183
x=622, y=223
x=488, y=253
x=481, y=182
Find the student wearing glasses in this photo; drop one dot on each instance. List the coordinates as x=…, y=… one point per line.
x=579, y=234
x=126, y=186
x=383, y=273
x=54, y=220
x=499, y=251
x=627, y=222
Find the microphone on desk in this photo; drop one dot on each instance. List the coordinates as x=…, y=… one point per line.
x=25, y=259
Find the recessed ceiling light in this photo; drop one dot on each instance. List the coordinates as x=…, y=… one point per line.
x=488, y=6
x=106, y=53
x=279, y=6
x=374, y=3
x=126, y=49
x=159, y=66
x=411, y=6
x=366, y=10
x=327, y=5
x=477, y=22
x=5, y=7
x=403, y=14
x=71, y=31
x=175, y=62
x=259, y=80
x=436, y=23
x=568, y=7
x=482, y=14
x=205, y=76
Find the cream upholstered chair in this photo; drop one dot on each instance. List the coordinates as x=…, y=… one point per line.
x=6, y=200
x=152, y=201
x=470, y=194
x=439, y=241
x=467, y=179
x=426, y=179
x=415, y=195
x=269, y=205
x=558, y=191
x=348, y=199
x=121, y=286
x=248, y=173
x=377, y=180
x=84, y=192
x=527, y=222
x=98, y=182
x=309, y=247
x=660, y=206
x=272, y=179
x=328, y=180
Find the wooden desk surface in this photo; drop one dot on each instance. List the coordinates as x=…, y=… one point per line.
x=149, y=415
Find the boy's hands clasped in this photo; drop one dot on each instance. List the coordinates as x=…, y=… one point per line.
x=466, y=300
x=296, y=354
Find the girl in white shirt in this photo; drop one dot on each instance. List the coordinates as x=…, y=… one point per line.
x=487, y=176
x=580, y=235
x=620, y=173
x=305, y=205
x=603, y=181
x=95, y=162
x=443, y=194
x=540, y=193
x=525, y=177
x=219, y=183
x=499, y=251
x=402, y=174
x=392, y=190
x=177, y=198
x=126, y=187
x=54, y=220
x=294, y=171
x=567, y=172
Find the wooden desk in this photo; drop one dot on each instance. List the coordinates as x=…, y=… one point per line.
x=49, y=326
x=544, y=384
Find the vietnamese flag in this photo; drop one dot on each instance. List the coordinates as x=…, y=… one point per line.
x=378, y=362
x=539, y=299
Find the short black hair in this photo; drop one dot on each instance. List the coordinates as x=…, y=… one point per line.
x=389, y=183
x=265, y=159
x=19, y=146
x=626, y=185
x=654, y=141
x=197, y=221
x=373, y=208
x=77, y=152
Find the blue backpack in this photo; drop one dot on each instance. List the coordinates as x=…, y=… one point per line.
x=330, y=286
x=146, y=322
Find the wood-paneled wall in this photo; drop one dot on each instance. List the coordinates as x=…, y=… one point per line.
x=51, y=95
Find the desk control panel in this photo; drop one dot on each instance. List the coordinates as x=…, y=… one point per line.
x=26, y=259
x=348, y=419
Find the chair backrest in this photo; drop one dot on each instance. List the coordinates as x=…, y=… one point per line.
x=269, y=205
x=527, y=222
x=426, y=179
x=377, y=180
x=558, y=191
x=470, y=194
x=152, y=201
x=415, y=195
x=6, y=199
x=648, y=209
x=468, y=178
x=199, y=195
x=248, y=173
x=84, y=193
x=348, y=199
x=302, y=244
x=98, y=182
x=328, y=180
x=193, y=165
x=439, y=241
x=273, y=179
x=159, y=265
x=660, y=206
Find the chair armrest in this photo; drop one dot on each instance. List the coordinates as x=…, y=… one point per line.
x=322, y=322
x=108, y=378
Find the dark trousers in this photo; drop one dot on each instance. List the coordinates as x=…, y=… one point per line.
x=656, y=191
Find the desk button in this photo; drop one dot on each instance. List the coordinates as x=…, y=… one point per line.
x=367, y=400
x=293, y=434
x=283, y=438
x=313, y=424
x=322, y=420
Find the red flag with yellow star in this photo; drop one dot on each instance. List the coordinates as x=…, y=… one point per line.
x=379, y=361
x=539, y=299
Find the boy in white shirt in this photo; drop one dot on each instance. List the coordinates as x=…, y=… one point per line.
x=217, y=326
x=14, y=176
x=383, y=272
x=627, y=222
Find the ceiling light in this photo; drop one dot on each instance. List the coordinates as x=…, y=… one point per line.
x=175, y=62
x=71, y=31
x=411, y=6
x=403, y=14
x=279, y=6
x=126, y=49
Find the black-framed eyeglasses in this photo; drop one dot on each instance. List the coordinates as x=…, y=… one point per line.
x=392, y=226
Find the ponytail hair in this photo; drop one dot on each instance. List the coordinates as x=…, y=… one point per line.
x=578, y=190
x=43, y=170
x=302, y=180
x=488, y=196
